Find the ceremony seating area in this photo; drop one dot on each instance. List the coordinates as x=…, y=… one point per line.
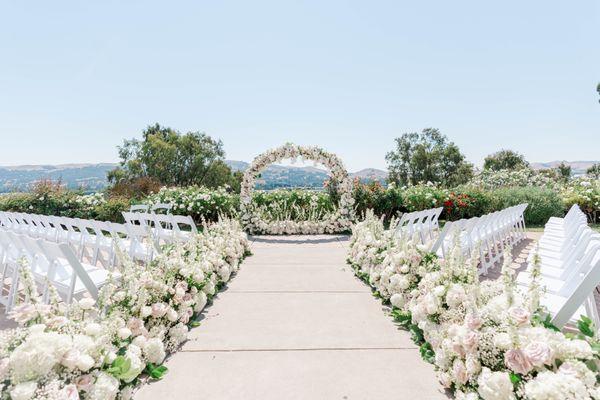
x=488, y=235
x=75, y=255
x=569, y=268
x=425, y=223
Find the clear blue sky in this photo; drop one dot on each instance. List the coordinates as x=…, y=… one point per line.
x=78, y=77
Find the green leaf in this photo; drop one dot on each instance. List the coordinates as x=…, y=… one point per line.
x=156, y=371
x=515, y=378
x=427, y=352
x=585, y=326
x=119, y=366
x=403, y=318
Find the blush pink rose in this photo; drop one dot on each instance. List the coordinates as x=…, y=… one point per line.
x=538, y=353
x=517, y=361
x=473, y=321
x=460, y=372
x=71, y=392
x=158, y=310
x=84, y=382
x=470, y=341
x=519, y=315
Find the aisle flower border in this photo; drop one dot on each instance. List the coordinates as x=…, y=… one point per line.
x=339, y=221
x=103, y=350
x=487, y=340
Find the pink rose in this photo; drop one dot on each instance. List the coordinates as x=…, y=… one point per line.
x=71, y=392
x=473, y=321
x=538, y=353
x=460, y=372
x=470, y=341
x=84, y=382
x=516, y=360
x=519, y=315
x=136, y=326
x=158, y=310
x=457, y=347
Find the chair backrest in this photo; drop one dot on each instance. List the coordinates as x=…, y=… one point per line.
x=186, y=221
x=138, y=208
x=579, y=295
x=161, y=207
x=59, y=251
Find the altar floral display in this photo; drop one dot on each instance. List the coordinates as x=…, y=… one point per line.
x=487, y=340
x=257, y=220
x=102, y=350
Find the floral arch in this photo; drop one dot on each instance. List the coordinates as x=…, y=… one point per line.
x=337, y=221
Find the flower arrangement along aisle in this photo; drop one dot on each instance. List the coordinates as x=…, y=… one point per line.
x=258, y=220
x=102, y=351
x=487, y=340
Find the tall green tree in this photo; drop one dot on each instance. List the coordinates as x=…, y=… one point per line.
x=427, y=156
x=505, y=159
x=564, y=171
x=594, y=171
x=173, y=159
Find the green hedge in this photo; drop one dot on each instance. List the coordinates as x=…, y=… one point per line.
x=205, y=204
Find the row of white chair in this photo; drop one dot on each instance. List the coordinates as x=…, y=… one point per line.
x=50, y=263
x=569, y=257
x=488, y=234
x=425, y=223
x=91, y=240
x=165, y=228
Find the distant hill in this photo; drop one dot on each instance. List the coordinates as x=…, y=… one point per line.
x=280, y=176
x=577, y=167
x=89, y=177
x=92, y=177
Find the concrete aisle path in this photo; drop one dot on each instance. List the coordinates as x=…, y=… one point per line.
x=296, y=324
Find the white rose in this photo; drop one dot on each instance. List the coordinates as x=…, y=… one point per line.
x=145, y=311
x=124, y=333
x=456, y=295
x=439, y=290
x=87, y=303
x=93, y=329
x=85, y=362
x=172, y=315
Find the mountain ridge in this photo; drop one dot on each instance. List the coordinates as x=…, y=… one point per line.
x=92, y=176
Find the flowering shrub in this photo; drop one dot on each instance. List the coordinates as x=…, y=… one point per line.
x=586, y=193
x=200, y=203
x=486, y=340
x=102, y=351
x=488, y=179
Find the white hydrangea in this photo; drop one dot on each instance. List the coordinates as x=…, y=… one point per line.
x=154, y=350
x=495, y=385
x=548, y=385
x=105, y=387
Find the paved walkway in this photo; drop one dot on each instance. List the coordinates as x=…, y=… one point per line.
x=295, y=324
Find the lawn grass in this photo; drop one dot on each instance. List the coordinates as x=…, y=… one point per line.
x=540, y=228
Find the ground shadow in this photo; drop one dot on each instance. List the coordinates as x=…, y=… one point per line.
x=299, y=239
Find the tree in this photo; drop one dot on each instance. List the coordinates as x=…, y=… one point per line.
x=505, y=159
x=594, y=171
x=427, y=156
x=598, y=90
x=173, y=159
x=564, y=171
